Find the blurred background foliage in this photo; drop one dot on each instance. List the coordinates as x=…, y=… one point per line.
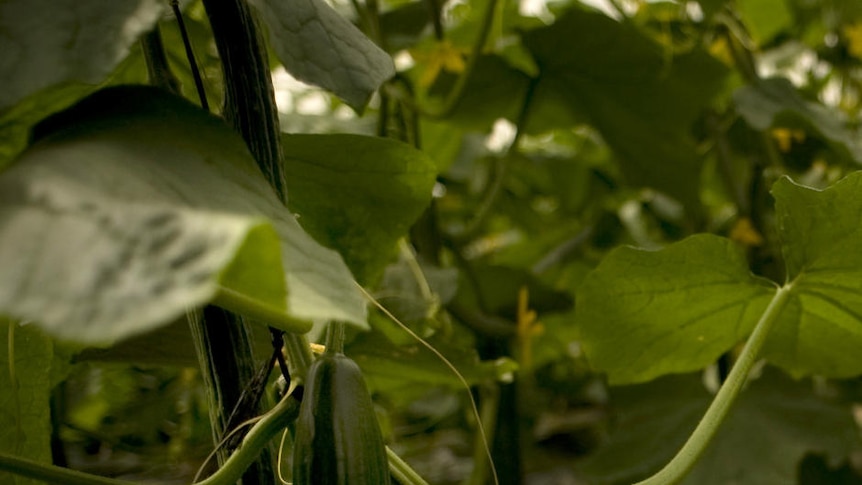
x=582, y=126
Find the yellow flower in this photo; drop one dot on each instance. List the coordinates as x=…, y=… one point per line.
x=721, y=51
x=442, y=56
x=527, y=328
x=744, y=233
x=853, y=34
x=785, y=138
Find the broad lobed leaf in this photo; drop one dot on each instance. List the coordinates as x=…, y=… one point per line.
x=643, y=314
x=138, y=206
x=821, y=330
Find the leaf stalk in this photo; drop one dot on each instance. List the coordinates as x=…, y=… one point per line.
x=694, y=447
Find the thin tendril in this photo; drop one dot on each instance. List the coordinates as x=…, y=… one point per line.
x=278, y=463
x=281, y=479
x=221, y=443
x=451, y=367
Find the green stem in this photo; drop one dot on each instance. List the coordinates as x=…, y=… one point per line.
x=53, y=474
x=691, y=451
x=272, y=423
x=256, y=440
x=490, y=404
x=334, y=339
x=402, y=471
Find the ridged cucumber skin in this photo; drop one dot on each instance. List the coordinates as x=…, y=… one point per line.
x=338, y=440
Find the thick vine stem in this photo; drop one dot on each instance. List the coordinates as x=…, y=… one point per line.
x=223, y=344
x=250, y=108
x=249, y=96
x=691, y=451
x=272, y=423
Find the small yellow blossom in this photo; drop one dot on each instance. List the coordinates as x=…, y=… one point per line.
x=442, y=56
x=785, y=138
x=527, y=327
x=721, y=51
x=853, y=34
x=744, y=233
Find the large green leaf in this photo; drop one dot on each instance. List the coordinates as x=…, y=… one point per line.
x=320, y=47
x=47, y=42
x=643, y=314
x=782, y=419
x=357, y=194
x=775, y=102
x=137, y=206
x=821, y=329
x=26, y=366
x=613, y=76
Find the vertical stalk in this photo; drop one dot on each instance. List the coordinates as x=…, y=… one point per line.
x=224, y=347
x=250, y=108
x=249, y=96
x=223, y=339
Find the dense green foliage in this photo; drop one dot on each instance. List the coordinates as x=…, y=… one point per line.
x=588, y=209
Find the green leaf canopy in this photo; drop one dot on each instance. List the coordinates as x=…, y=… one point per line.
x=643, y=314
x=137, y=206
x=613, y=76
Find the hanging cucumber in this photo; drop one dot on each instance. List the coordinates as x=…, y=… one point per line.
x=338, y=440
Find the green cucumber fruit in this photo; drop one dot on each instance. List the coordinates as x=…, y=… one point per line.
x=338, y=440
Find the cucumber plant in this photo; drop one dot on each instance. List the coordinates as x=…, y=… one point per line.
x=624, y=234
